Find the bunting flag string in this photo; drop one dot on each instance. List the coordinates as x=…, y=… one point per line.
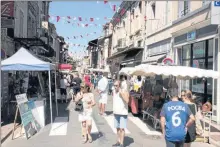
x=81, y=36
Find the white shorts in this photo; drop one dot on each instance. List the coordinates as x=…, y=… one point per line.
x=84, y=116
x=103, y=99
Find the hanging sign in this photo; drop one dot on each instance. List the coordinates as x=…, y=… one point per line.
x=168, y=61
x=191, y=35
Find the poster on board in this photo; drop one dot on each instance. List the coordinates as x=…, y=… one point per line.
x=30, y=124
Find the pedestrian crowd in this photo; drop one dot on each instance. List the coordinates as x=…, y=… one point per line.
x=177, y=113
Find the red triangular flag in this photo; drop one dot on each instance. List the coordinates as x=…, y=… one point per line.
x=81, y=36
x=58, y=18
x=80, y=18
x=68, y=17
x=78, y=24
x=105, y=1
x=105, y=17
x=145, y=18
x=79, y=44
x=86, y=25
x=91, y=19
x=68, y=21
x=114, y=7
x=122, y=11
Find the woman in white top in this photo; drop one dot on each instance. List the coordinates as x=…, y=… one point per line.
x=85, y=117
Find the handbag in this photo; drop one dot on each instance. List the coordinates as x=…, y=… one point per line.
x=79, y=106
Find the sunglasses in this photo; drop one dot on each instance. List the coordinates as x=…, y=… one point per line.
x=182, y=95
x=116, y=85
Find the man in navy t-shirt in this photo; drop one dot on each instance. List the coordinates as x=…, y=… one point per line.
x=176, y=117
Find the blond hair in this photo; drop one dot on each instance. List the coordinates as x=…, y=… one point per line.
x=189, y=95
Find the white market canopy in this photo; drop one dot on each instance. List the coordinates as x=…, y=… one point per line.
x=126, y=71
x=180, y=72
x=23, y=60
x=100, y=70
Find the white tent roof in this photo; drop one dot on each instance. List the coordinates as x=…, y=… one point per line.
x=181, y=72
x=126, y=71
x=24, y=60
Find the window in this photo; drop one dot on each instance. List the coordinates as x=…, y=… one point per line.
x=166, y=13
x=186, y=52
x=21, y=32
x=154, y=9
x=199, y=50
x=139, y=43
x=210, y=49
x=140, y=6
x=183, y=8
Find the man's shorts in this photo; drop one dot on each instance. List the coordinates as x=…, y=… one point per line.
x=174, y=144
x=62, y=91
x=103, y=99
x=120, y=121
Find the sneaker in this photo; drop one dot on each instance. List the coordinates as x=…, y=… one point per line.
x=121, y=145
x=116, y=145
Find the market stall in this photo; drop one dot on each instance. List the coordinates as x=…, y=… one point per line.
x=23, y=60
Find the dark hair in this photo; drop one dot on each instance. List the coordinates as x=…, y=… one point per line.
x=139, y=78
x=87, y=87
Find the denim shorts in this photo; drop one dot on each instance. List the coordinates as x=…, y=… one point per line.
x=174, y=144
x=121, y=121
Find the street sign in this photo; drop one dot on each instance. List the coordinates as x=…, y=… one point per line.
x=217, y=3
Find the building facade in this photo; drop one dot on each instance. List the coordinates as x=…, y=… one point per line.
x=195, y=35
x=127, y=37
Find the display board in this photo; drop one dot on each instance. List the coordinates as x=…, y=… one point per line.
x=31, y=126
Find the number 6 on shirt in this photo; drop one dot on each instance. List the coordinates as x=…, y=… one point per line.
x=176, y=120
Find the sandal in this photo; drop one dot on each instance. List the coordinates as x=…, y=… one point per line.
x=90, y=139
x=85, y=139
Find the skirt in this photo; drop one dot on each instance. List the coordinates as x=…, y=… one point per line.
x=85, y=116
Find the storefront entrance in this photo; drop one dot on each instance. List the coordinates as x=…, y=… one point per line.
x=204, y=55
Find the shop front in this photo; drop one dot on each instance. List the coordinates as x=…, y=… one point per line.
x=129, y=57
x=199, y=49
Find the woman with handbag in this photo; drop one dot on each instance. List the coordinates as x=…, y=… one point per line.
x=191, y=131
x=84, y=104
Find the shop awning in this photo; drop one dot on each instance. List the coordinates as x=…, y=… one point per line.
x=126, y=71
x=180, y=72
x=65, y=67
x=154, y=59
x=126, y=50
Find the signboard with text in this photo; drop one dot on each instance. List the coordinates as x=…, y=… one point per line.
x=31, y=126
x=191, y=35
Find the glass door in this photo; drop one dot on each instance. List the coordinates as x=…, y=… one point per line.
x=216, y=83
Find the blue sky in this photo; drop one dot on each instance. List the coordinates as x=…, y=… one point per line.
x=84, y=9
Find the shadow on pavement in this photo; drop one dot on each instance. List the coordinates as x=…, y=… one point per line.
x=109, y=112
x=96, y=136
x=128, y=141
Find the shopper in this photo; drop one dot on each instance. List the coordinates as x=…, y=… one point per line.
x=63, y=86
x=176, y=118
x=191, y=132
x=76, y=83
x=85, y=117
x=103, y=93
x=120, y=110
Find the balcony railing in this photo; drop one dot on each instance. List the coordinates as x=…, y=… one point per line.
x=184, y=11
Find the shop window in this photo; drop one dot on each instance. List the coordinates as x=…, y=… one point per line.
x=199, y=49
x=198, y=85
x=186, y=52
x=186, y=63
x=199, y=63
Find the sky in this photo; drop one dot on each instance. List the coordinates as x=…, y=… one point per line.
x=85, y=10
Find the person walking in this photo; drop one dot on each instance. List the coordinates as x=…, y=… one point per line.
x=85, y=117
x=120, y=111
x=176, y=118
x=63, y=86
x=76, y=83
x=191, y=131
x=103, y=93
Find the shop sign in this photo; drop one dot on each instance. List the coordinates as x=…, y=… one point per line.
x=191, y=35
x=168, y=61
x=26, y=108
x=217, y=3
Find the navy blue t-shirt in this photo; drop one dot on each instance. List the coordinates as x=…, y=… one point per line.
x=176, y=114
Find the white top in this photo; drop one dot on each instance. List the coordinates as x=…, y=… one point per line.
x=103, y=85
x=120, y=107
x=63, y=83
x=124, y=85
